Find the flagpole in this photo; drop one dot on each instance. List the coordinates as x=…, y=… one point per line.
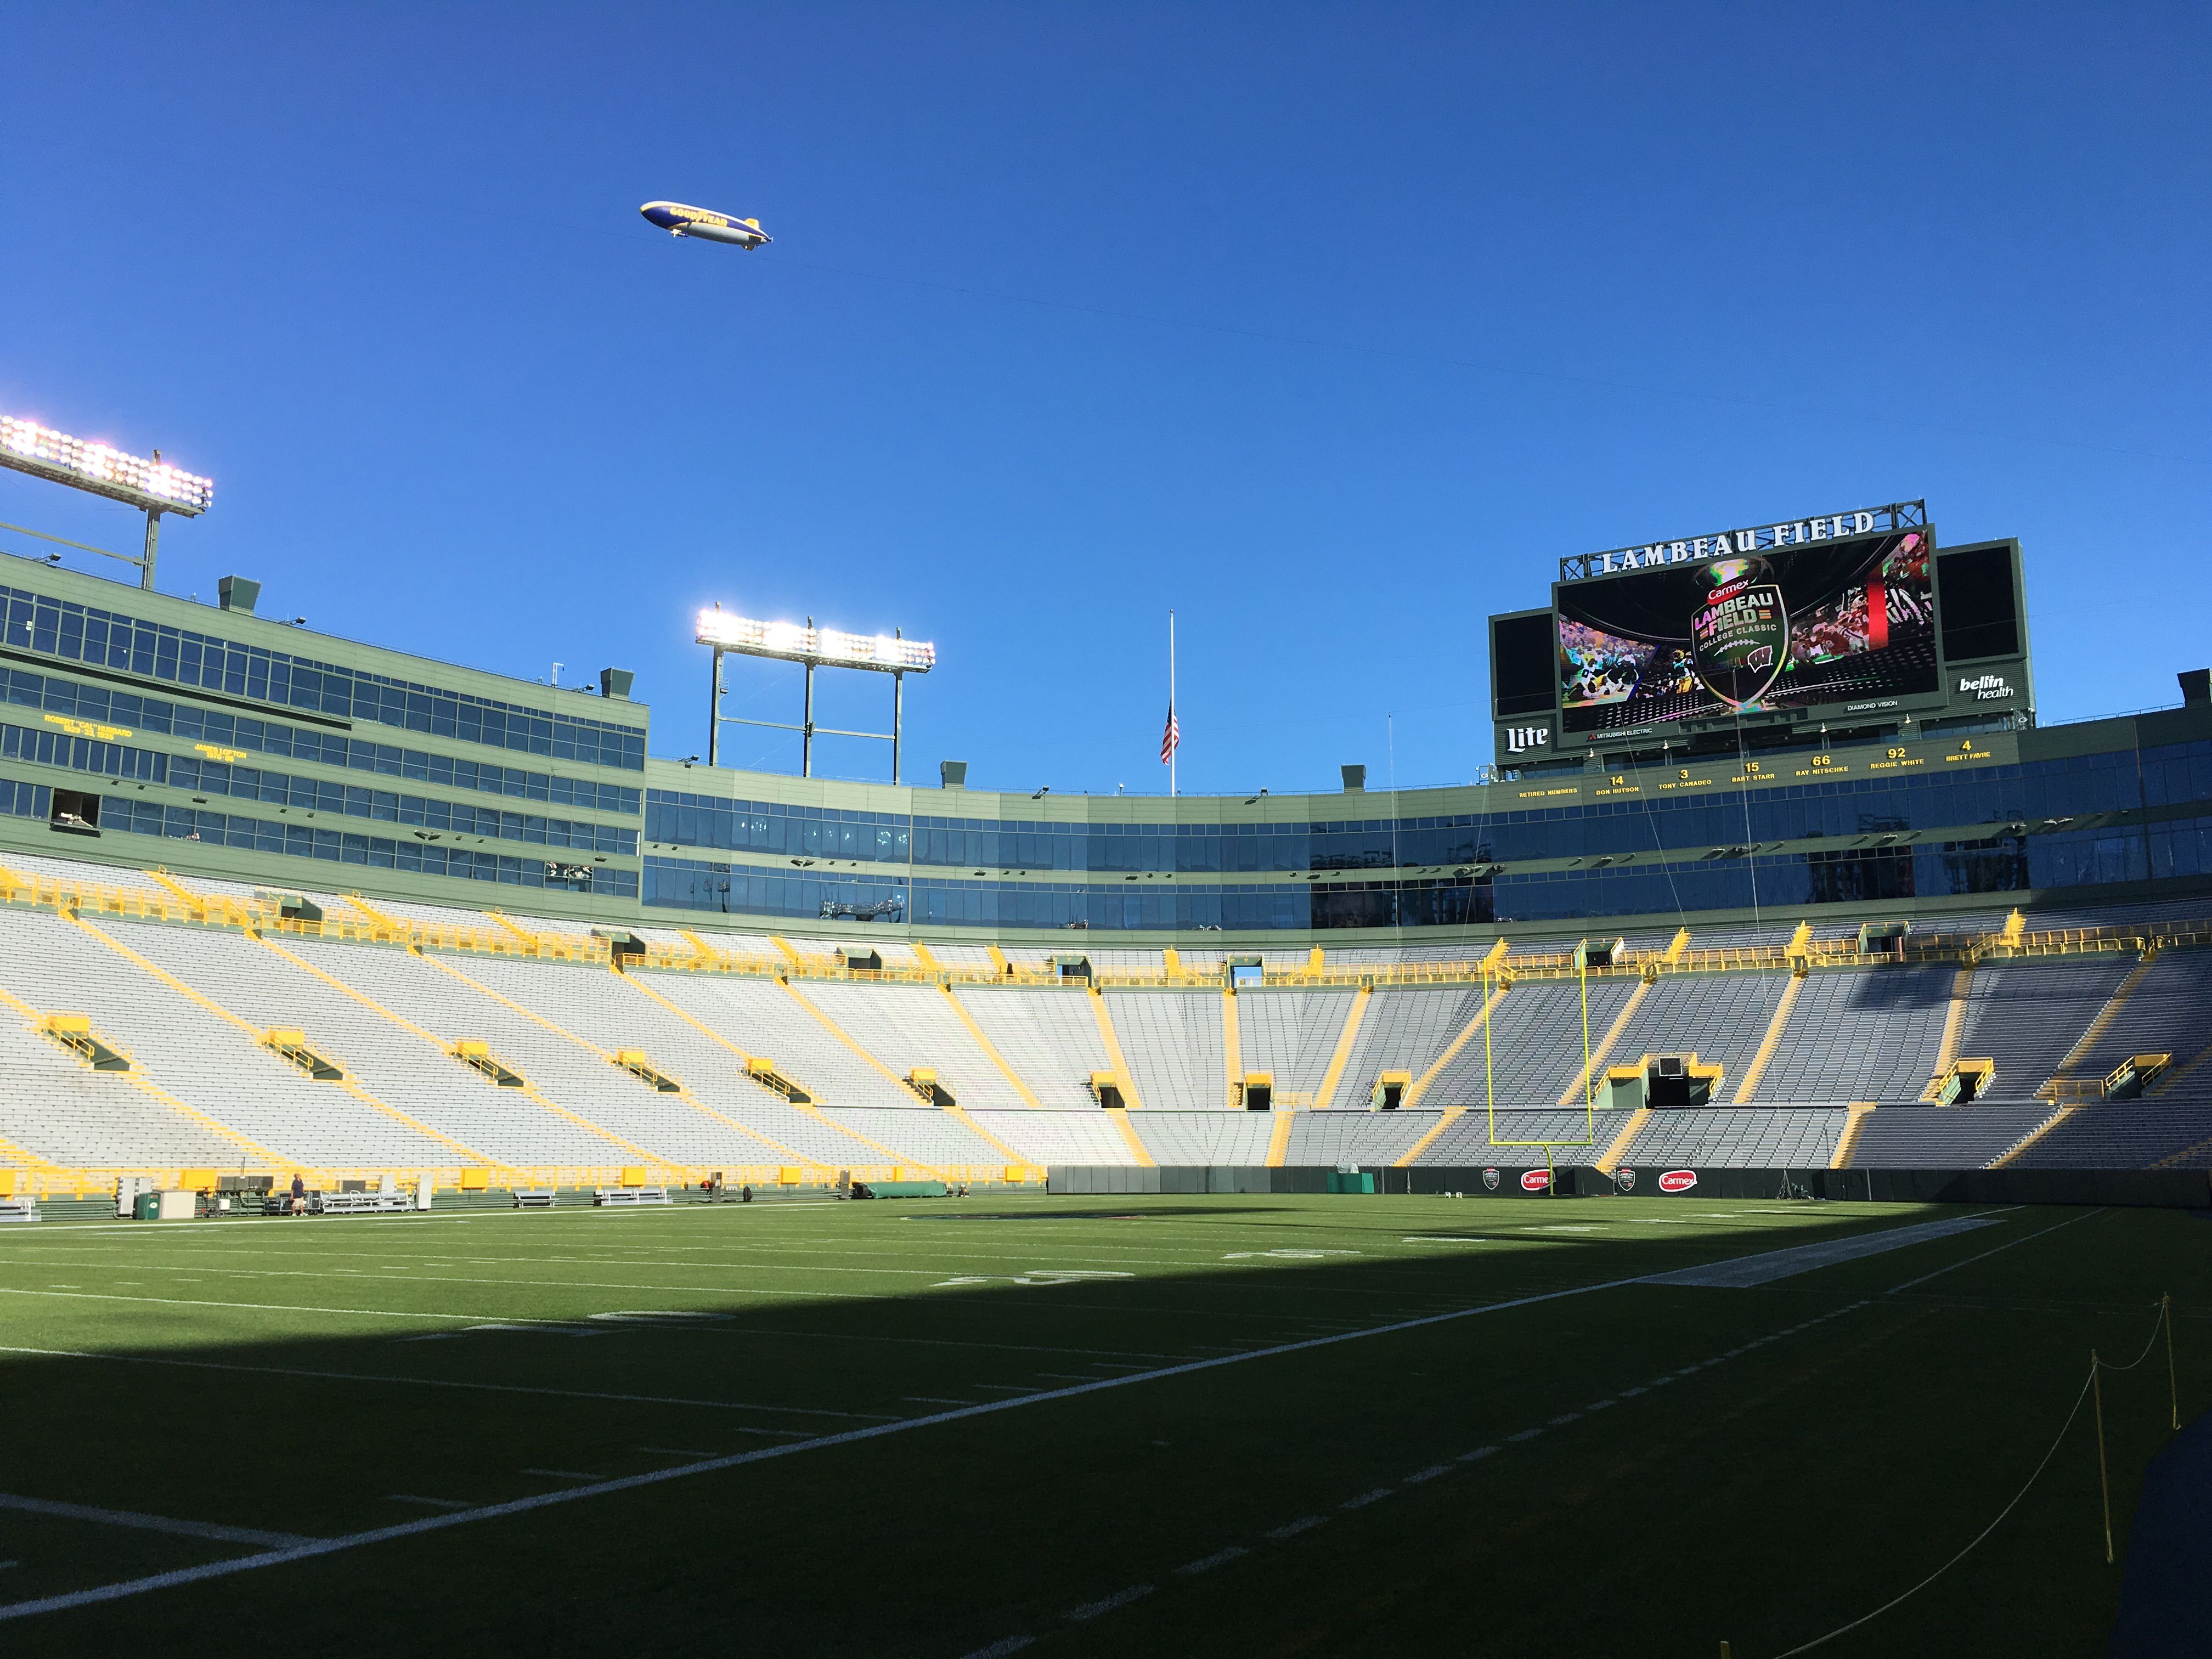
x=1171, y=753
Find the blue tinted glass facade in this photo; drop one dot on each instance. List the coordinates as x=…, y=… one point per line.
x=1843, y=807
x=2121, y=815
x=115, y=639
x=126, y=709
x=116, y=761
x=133, y=814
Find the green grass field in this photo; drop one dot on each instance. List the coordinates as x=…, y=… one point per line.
x=1236, y=1424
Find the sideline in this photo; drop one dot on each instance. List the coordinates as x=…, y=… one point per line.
x=1747, y=1271
x=1985, y=1255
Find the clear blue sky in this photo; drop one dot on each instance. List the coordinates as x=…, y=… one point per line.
x=1332, y=328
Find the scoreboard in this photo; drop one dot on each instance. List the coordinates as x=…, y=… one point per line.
x=1854, y=622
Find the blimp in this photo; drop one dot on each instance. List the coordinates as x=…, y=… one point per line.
x=677, y=220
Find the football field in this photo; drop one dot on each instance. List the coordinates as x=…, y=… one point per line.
x=1255, y=1424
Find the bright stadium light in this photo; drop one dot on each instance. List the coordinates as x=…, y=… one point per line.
x=792, y=643
x=153, y=486
x=812, y=648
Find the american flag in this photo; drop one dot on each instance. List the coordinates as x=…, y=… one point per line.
x=1170, y=740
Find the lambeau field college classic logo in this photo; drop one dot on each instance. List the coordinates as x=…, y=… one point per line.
x=1739, y=638
x=1490, y=1179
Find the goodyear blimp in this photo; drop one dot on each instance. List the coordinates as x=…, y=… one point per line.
x=678, y=220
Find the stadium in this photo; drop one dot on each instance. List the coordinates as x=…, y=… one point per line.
x=495, y=1184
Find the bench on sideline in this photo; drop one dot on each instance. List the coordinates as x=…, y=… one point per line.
x=359, y=1203
x=603, y=1195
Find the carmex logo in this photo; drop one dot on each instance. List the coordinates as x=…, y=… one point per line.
x=1535, y=1180
x=1678, y=1181
x=1625, y=1179
x=1490, y=1179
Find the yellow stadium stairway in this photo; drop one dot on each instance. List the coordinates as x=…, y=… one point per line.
x=1847, y=1143
x=2189, y=1157
x=2026, y=1141
x=1445, y=1119
x=959, y=1116
x=209, y=1005
x=513, y=926
x=1954, y=1027
x=177, y=888
x=467, y=1154
x=1760, y=1061
x=1638, y=1121
x=2173, y=1074
x=1129, y=1101
x=1137, y=1147
x=989, y=1049
x=1420, y=1086
x=885, y=1154
x=137, y=1079
x=2087, y=1043
x=24, y=1156
x=847, y=1038
x=375, y=915
x=560, y=1031
x=1279, y=1140
x=1326, y=1095
x=1573, y=1094
x=1231, y=1054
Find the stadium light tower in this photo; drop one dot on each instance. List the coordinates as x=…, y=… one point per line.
x=813, y=648
x=153, y=486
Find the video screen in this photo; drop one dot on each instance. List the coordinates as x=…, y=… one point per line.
x=1785, y=628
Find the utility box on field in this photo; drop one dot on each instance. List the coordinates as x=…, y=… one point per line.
x=1351, y=1181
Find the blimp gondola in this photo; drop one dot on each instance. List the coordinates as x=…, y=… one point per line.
x=677, y=220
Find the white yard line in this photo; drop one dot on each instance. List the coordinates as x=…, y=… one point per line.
x=445, y=1382
x=140, y=1523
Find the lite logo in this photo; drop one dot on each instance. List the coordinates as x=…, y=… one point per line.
x=1535, y=1181
x=1520, y=739
x=1988, y=688
x=1678, y=1181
